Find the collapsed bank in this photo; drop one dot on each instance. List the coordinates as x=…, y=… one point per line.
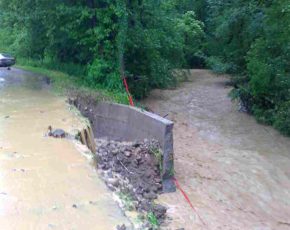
x=134, y=155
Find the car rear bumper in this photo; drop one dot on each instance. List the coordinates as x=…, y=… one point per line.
x=7, y=63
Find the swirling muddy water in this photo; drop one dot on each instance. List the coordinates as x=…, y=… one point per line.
x=46, y=183
x=235, y=171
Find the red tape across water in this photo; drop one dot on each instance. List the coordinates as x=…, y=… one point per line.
x=174, y=179
x=187, y=199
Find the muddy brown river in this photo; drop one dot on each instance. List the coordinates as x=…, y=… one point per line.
x=236, y=172
x=46, y=183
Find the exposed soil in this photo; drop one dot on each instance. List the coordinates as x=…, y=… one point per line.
x=132, y=171
x=236, y=172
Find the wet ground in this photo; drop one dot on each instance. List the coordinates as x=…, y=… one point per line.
x=46, y=183
x=235, y=171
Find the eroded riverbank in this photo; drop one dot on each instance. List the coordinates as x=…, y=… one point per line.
x=46, y=183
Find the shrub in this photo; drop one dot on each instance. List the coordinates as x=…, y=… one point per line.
x=282, y=118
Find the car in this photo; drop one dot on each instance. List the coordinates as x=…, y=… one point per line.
x=6, y=60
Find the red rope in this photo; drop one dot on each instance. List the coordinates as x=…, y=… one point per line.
x=187, y=199
x=128, y=92
x=174, y=179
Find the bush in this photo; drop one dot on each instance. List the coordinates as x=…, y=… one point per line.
x=282, y=118
x=218, y=65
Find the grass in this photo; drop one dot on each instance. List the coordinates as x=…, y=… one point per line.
x=158, y=155
x=127, y=200
x=152, y=219
x=60, y=80
x=63, y=82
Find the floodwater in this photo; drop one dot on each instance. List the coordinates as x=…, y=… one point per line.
x=235, y=171
x=46, y=183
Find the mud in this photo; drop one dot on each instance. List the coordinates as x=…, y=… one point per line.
x=125, y=123
x=235, y=171
x=47, y=183
x=132, y=170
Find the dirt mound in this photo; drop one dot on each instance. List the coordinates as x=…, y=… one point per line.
x=132, y=170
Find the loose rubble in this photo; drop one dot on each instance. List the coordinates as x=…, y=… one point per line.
x=132, y=171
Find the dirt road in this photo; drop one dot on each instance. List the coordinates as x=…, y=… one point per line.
x=235, y=171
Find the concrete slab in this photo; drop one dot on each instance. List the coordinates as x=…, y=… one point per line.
x=126, y=123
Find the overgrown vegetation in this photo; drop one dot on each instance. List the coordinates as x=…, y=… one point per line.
x=64, y=83
x=153, y=220
x=251, y=39
x=158, y=155
x=101, y=41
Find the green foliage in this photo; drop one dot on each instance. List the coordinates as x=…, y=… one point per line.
x=218, y=65
x=62, y=81
x=127, y=201
x=152, y=220
x=232, y=26
x=50, y=64
x=252, y=39
x=193, y=35
x=158, y=156
x=282, y=118
x=102, y=40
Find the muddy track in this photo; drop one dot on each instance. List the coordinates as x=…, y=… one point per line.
x=236, y=172
x=46, y=183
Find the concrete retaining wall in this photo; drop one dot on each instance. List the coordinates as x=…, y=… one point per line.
x=125, y=123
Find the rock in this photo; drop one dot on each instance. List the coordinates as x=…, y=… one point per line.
x=146, y=188
x=93, y=202
x=122, y=227
x=145, y=205
x=56, y=133
x=159, y=186
x=159, y=211
x=51, y=225
x=147, y=226
x=148, y=174
x=115, y=151
x=111, y=187
x=101, y=172
x=136, y=144
x=150, y=196
x=128, y=153
x=154, y=189
x=103, y=166
x=130, y=168
x=74, y=206
x=109, y=174
x=139, y=191
x=157, y=180
x=117, y=170
x=113, y=181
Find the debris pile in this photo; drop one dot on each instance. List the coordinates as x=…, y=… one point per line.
x=132, y=170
